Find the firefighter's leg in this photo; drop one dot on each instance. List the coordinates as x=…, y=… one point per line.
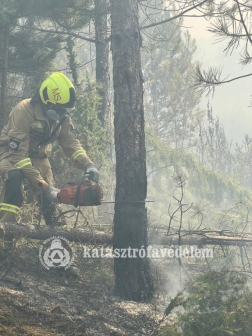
x=13, y=196
x=50, y=210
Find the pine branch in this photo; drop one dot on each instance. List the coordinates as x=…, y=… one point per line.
x=176, y=16
x=60, y=32
x=246, y=58
x=243, y=23
x=208, y=80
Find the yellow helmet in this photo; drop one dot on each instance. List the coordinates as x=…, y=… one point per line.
x=58, y=89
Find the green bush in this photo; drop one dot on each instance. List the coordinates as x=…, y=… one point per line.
x=217, y=304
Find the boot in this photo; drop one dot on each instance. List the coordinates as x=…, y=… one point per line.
x=6, y=216
x=72, y=272
x=50, y=212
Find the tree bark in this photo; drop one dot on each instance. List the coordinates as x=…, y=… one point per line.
x=133, y=278
x=102, y=60
x=4, y=75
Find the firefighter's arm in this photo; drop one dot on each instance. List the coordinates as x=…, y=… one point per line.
x=21, y=119
x=71, y=145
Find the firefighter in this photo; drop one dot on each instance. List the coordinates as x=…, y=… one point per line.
x=26, y=142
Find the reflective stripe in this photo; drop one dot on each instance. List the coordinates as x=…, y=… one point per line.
x=37, y=124
x=23, y=163
x=9, y=207
x=78, y=153
x=83, y=153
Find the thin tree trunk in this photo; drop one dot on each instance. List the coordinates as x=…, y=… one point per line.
x=102, y=60
x=133, y=278
x=103, y=81
x=4, y=75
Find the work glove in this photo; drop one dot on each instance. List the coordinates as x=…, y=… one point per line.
x=51, y=194
x=92, y=172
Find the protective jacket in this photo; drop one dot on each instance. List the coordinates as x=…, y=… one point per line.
x=21, y=142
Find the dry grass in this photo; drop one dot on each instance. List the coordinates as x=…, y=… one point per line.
x=35, y=301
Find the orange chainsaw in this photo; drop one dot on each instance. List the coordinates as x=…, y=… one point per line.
x=81, y=193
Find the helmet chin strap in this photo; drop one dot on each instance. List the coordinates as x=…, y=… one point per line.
x=52, y=114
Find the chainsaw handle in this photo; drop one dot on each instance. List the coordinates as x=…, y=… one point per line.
x=77, y=195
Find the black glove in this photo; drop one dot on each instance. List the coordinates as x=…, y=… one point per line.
x=51, y=194
x=92, y=172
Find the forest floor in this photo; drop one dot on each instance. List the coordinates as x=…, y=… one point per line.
x=40, y=302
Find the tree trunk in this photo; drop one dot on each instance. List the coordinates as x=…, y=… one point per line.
x=132, y=275
x=4, y=75
x=102, y=59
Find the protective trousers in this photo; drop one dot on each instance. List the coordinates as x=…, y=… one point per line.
x=13, y=195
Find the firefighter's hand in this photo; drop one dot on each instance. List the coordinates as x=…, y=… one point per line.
x=92, y=172
x=51, y=194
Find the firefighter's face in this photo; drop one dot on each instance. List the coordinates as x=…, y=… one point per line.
x=59, y=110
x=54, y=112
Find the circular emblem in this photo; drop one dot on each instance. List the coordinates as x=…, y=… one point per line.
x=13, y=145
x=56, y=252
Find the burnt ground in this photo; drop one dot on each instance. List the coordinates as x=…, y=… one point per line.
x=35, y=301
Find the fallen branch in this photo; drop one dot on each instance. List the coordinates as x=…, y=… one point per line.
x=15, y=230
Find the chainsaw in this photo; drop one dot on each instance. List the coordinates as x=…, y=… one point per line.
x=81, y=193
x=85, y=193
